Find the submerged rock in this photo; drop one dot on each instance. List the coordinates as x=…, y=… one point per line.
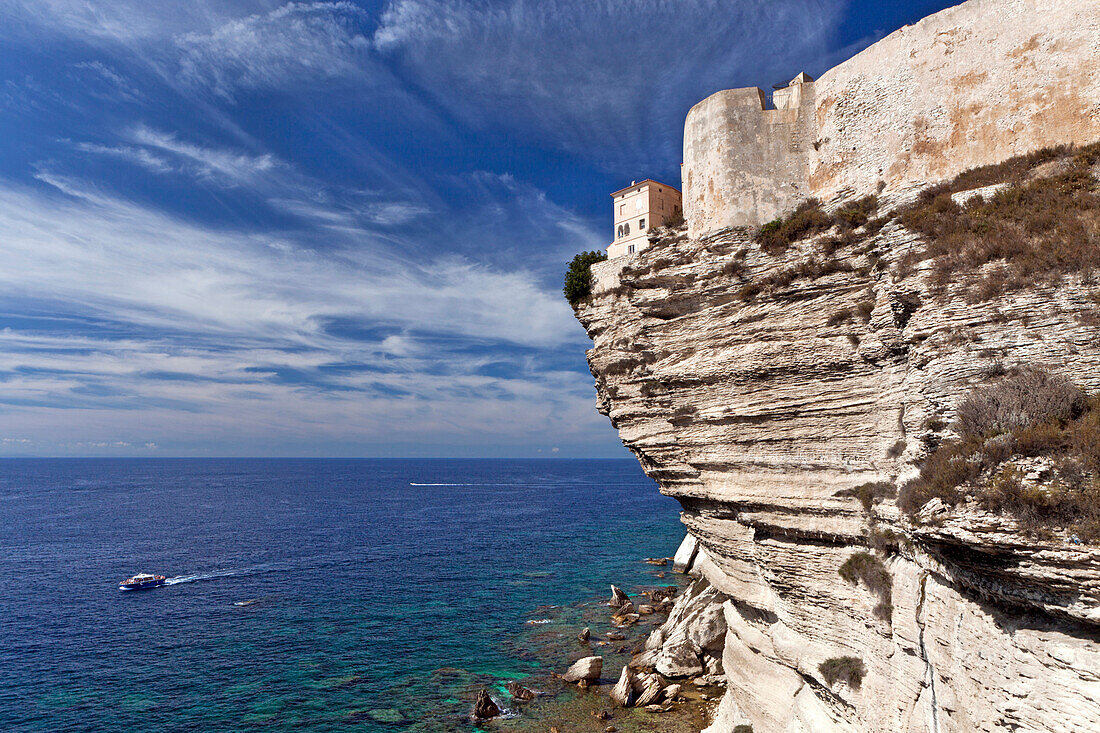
x=587, y=669
x=386, y=715
x=519, y=692
x=484, y=707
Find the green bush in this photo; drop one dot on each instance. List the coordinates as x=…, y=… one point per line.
x=846, y=669
x=578, y=278
x=776, y=237
x=870, y=493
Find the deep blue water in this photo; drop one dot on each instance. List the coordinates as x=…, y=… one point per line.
x=381, y=584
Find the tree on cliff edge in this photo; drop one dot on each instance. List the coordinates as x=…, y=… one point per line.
x=578, y=279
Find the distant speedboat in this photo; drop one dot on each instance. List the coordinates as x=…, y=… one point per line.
x=142, y=581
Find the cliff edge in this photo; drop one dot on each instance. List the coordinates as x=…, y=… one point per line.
x=791, y=386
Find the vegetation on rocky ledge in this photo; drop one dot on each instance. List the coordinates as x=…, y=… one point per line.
x=1040, y=223
x=810, y=218
x=868, y=569
x=1029, y=446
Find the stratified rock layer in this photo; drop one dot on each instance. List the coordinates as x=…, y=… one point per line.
x=759, y=414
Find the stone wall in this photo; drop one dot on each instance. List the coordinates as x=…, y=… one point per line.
x=971, y=85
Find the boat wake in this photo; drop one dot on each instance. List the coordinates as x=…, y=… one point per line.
x=203, y=576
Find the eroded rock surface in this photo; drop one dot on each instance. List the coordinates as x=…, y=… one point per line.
x=761, y=414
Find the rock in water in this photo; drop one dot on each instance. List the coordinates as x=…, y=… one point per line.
x=623, y=691
x=587, y=669
x=519, y=692
x=585, y=634
x=669, y=693
x=618, y=598
x=484, y=707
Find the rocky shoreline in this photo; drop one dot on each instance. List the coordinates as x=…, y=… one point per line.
x=641, y=661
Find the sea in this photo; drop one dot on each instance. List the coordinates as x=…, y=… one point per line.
x=303, y=595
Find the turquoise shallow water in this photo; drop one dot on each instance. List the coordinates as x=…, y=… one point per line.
x=384, y=591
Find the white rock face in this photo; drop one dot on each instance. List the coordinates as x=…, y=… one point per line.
x=759, y=415
x=685, y=554
x=690, y=641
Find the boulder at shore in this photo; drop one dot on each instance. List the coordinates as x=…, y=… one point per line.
x=587, y=669
x=618, y=598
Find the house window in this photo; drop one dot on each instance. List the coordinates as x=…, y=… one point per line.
x=630, y=249
x=641, y=224
x=626, y=229
x=620, y=231
x=622, y=209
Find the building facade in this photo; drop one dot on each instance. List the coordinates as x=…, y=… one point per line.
x=639, y=207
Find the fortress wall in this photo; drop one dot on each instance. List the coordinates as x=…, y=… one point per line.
x=742, y=163
x=971, y=85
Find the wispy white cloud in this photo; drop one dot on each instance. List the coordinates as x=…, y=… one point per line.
x=135, y=155
x=219, y=163
x=244, y=335
x=293, y=44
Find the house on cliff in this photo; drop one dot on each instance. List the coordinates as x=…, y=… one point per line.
x=639, y=207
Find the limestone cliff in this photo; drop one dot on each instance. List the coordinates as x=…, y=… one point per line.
x=761, y=408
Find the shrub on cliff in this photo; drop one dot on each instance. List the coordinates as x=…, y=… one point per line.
x=1029, y=413
x=1032, y=232
x=776, y=237
x=850, y=670
x=578, y=278
x=809, y=218
x=868, y=569
x=870, y=493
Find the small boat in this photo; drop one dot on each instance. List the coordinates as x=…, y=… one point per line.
x=142, y=581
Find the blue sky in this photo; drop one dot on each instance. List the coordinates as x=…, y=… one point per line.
x=336, y=228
